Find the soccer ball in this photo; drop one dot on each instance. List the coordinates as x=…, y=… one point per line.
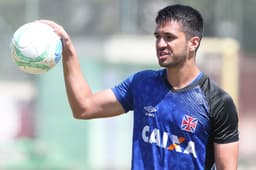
x=36, y=48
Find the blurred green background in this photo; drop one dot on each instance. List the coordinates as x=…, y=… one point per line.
x=38, y=131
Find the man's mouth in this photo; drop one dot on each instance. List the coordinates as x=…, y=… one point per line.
x=163, y=54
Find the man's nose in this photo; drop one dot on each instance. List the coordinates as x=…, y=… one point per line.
x=161, y=43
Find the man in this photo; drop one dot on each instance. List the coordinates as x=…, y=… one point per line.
x=182, y=120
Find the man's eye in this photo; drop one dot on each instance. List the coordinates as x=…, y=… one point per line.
x=169, y=38
x=157, y=36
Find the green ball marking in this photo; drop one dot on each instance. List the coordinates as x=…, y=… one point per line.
x=31, y=65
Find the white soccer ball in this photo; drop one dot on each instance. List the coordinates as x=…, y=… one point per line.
x=36, y=48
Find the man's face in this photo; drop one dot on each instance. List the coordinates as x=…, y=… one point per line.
x=171, y=44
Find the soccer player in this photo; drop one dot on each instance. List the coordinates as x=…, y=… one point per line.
x=182, y=119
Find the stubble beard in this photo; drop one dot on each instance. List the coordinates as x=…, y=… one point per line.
x=174, y=62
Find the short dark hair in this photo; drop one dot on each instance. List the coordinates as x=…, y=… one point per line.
x=189, y=17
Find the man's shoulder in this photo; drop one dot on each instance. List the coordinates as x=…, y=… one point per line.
x=211, y=87
x=149, y=74
x=223, y=112
x=215, y=94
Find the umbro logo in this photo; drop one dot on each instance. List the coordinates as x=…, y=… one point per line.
x=150, y=111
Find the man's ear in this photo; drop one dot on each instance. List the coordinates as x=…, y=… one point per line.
x=194, y=43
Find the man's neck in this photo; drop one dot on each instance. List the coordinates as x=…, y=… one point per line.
x=182, y=77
